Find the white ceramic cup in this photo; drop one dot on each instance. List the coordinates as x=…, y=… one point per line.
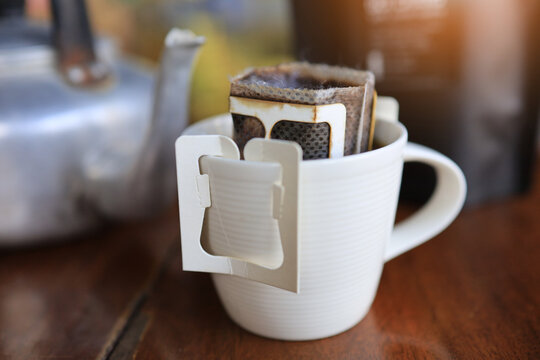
x=346, y=231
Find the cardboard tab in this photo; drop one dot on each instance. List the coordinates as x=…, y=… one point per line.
x=271, y=112
x=194, y=196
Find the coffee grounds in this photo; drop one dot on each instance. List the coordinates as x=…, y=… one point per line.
x=309, y=84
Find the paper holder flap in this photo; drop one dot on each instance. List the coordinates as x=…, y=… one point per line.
x=194, y=197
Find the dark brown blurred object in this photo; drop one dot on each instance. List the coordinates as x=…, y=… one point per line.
x=465, y=75
x=471, y=293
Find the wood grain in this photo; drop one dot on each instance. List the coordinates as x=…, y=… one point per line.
x=72, y=300
x=473, y=292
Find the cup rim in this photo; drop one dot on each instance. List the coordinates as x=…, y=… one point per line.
x=218, y=121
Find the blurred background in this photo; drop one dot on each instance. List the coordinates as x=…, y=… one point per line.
x=239, y=33
x=466, y=76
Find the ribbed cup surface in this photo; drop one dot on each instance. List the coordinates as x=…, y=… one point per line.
x=347, y=211
x=239, y=222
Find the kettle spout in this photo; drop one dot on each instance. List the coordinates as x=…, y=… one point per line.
x=170, y=113
x=155, y=177
x=150, y=185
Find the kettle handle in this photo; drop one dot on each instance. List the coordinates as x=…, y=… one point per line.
x=72, y=36
x=194, y=198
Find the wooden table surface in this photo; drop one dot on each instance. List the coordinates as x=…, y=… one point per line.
x=473, y=292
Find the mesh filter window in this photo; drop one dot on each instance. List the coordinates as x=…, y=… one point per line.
x=245, y=129
x=314, y=138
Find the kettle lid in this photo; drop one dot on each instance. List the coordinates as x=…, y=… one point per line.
x=11, y=8
x=15, y=32
x=22, y=44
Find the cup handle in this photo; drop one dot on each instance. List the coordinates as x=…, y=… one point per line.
x=440, y=210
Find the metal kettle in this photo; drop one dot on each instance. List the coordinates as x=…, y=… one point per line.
x=82, y=139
